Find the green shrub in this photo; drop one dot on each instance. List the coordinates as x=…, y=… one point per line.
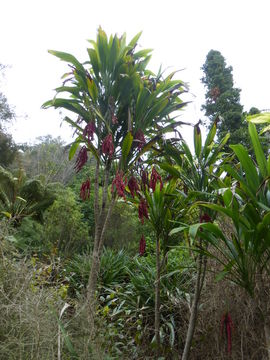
x=64, y=227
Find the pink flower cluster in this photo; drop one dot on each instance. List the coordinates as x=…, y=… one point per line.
x=142, y=246
x=143, y=210
x=155, y=177
x=85, y=190
x=107, y=146
x=144, y=178
x=133, y=186
x=119, y=184
x=205, y=218
x=81, y=159
x=114, y=119
x=88, y=132
x=139, y=139
x=227, y=324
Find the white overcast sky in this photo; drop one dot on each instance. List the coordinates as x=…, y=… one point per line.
x=180, y=32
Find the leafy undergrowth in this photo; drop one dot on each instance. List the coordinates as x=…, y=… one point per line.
x=43, y=313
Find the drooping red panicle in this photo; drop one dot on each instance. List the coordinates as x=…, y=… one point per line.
x=119, y=184
x=143, y=210
x=85, y=190
x=107, y=146
x=227, y=325
x=88, y=132
x=114, y=119
x=185, y=189
x=112, y=107
x=133, y=186
x=81, y=159
x=205, y=218
x=139, y=139
x=144, y=177
x=155, y=177
x=142, y=246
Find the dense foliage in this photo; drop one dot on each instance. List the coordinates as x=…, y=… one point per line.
x=171, y=244
x=222, y=98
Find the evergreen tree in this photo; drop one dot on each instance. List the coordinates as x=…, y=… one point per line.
x=223, y=99
x=7, y=146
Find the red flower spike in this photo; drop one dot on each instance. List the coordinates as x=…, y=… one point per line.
x=81, y=159
x=185, y=189
x=205, y=218
x=85, y=190
x=143, y=210
x=227, y=324
x=114, y=119
x=107, y=146
x=144, y=177
x=88, y=132
x=142, y=246
x=119, y=185
x=139, y=139
x=133, y=186
x=154, y=178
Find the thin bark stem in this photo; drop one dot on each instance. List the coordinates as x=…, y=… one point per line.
x=194, y=309
x=96, y=200
x=157, y=298
x=105, y=225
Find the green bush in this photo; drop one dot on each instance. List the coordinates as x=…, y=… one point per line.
x=64, y=227
x=126, y=299
x=30, y=238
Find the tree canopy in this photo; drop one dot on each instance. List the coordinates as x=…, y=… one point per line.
x=222, y=98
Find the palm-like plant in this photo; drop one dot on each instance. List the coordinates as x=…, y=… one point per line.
x=122, y=109
x=244, y=253
x=199, y=176
x=161, y=204
x=20, y=197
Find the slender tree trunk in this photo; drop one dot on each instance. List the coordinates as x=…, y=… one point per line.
x=101, y=222
x=201, y=267
x=267, y=337
x=157, y=299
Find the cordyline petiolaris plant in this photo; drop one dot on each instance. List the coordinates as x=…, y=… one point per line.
x=244, y=253
x=199, y=175
x=121, y=109
x=157, y=202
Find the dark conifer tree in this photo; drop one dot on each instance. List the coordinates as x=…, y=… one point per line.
x=223, y=99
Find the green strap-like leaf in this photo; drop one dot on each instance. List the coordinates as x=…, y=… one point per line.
x=209, y=140
x=262, y=118
x=73, y=149
x=126, y=146
x=170, y=169
x=248, y=166
x=68, y=58
x=73, y=123
x=260, y=157
x=197, y=140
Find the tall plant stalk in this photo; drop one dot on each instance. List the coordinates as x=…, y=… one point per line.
x=157, y=298
x=200, y=274
x=102, y=215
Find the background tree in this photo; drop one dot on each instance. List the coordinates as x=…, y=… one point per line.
x=7, y=146
x=223, y=99
x=8, y=149
x=48, y=160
